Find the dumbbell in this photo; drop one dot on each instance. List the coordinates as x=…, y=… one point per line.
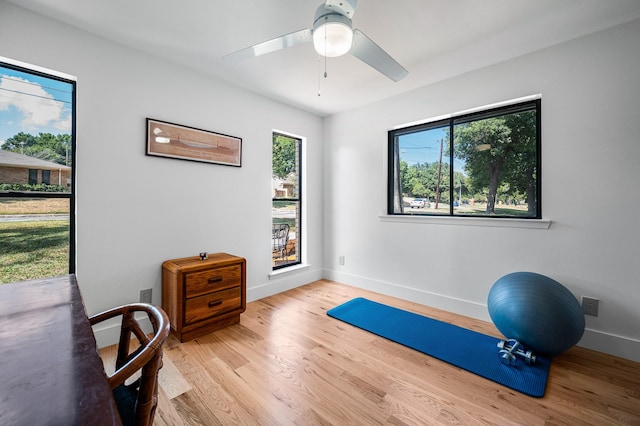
x=510, y=349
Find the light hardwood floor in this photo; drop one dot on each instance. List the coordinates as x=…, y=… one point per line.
x=288, y=363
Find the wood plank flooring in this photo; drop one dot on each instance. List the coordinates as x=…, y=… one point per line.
x=288, y=363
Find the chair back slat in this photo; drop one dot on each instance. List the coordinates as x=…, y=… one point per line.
x=146, y=356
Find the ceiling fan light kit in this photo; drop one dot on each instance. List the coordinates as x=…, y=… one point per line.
x=332, y=36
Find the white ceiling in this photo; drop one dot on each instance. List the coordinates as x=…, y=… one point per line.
x=432, y=39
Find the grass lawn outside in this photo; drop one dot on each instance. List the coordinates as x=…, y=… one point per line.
x=33, y=249
x=12, y=206
x=479, y=209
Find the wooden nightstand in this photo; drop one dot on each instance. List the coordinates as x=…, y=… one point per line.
x=201, y=296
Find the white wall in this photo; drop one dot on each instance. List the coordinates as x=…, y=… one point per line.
x=590, y=152
x=135, y=211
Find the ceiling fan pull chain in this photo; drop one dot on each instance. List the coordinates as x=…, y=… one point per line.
x=325, y=67
x=325, y=51
x=319, y=79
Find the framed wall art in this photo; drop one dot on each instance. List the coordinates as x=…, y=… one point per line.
x=187, y=143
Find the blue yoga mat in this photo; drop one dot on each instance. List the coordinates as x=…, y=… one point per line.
x=467, y=349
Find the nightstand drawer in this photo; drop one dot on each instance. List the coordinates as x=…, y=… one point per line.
x=210, y=305
x=199, y=283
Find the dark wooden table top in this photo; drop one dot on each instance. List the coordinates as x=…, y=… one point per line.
x=50, y=370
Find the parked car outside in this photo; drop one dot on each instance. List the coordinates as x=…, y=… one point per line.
x=417, y=203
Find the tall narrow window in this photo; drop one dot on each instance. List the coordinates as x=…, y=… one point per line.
x=482, y=164
x=286, y=210
x=37, y=146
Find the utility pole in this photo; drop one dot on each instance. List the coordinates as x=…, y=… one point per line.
x=439, y=168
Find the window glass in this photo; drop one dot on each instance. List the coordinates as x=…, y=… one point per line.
x=34, y=238
x=33, y=176
x=481, y=164
x=37, y=142
x=424, y=170
x=286, y=203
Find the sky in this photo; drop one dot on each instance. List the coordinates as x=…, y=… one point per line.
x=424, y=147
x=33, y=104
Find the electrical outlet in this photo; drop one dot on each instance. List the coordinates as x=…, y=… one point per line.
x=341, y=260
x=145, y=296
x=590, y=306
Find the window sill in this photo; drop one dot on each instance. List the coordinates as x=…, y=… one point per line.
x=290, y=270
x=469, y=221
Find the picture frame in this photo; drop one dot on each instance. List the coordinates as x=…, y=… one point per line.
x=172, y=140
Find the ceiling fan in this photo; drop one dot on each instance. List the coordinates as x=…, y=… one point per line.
x=332, y=35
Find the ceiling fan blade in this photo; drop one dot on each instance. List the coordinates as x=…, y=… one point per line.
x=288, y=40
x=370, y=53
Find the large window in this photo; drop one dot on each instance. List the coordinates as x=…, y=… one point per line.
x=37, y=146
x=286, y=208
x=485, y=163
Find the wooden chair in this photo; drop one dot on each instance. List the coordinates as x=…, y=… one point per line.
x=137, y=401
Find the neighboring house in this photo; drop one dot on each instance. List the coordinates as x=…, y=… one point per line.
x=22, y=169
x=282, y=188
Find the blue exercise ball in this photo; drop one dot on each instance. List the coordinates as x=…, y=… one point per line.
x=537, y=311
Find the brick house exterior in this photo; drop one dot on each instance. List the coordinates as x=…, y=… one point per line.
x=21, y=169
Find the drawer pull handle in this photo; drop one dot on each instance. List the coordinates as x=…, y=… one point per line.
x=215, y=280
x=215, y=303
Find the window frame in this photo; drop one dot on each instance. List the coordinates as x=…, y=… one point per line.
x=451, y=121
x=71, y=194
x=298, y=200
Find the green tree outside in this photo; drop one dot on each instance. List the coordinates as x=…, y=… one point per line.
x=45, y=146
x=284, y=156
x=500, y=161
x=500, y=156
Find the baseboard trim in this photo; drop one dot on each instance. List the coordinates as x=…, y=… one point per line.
x=612, y=344
x=423, y=297
x=108, y=334
x=279, y=283
x=596, y=340
x=620, y=346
